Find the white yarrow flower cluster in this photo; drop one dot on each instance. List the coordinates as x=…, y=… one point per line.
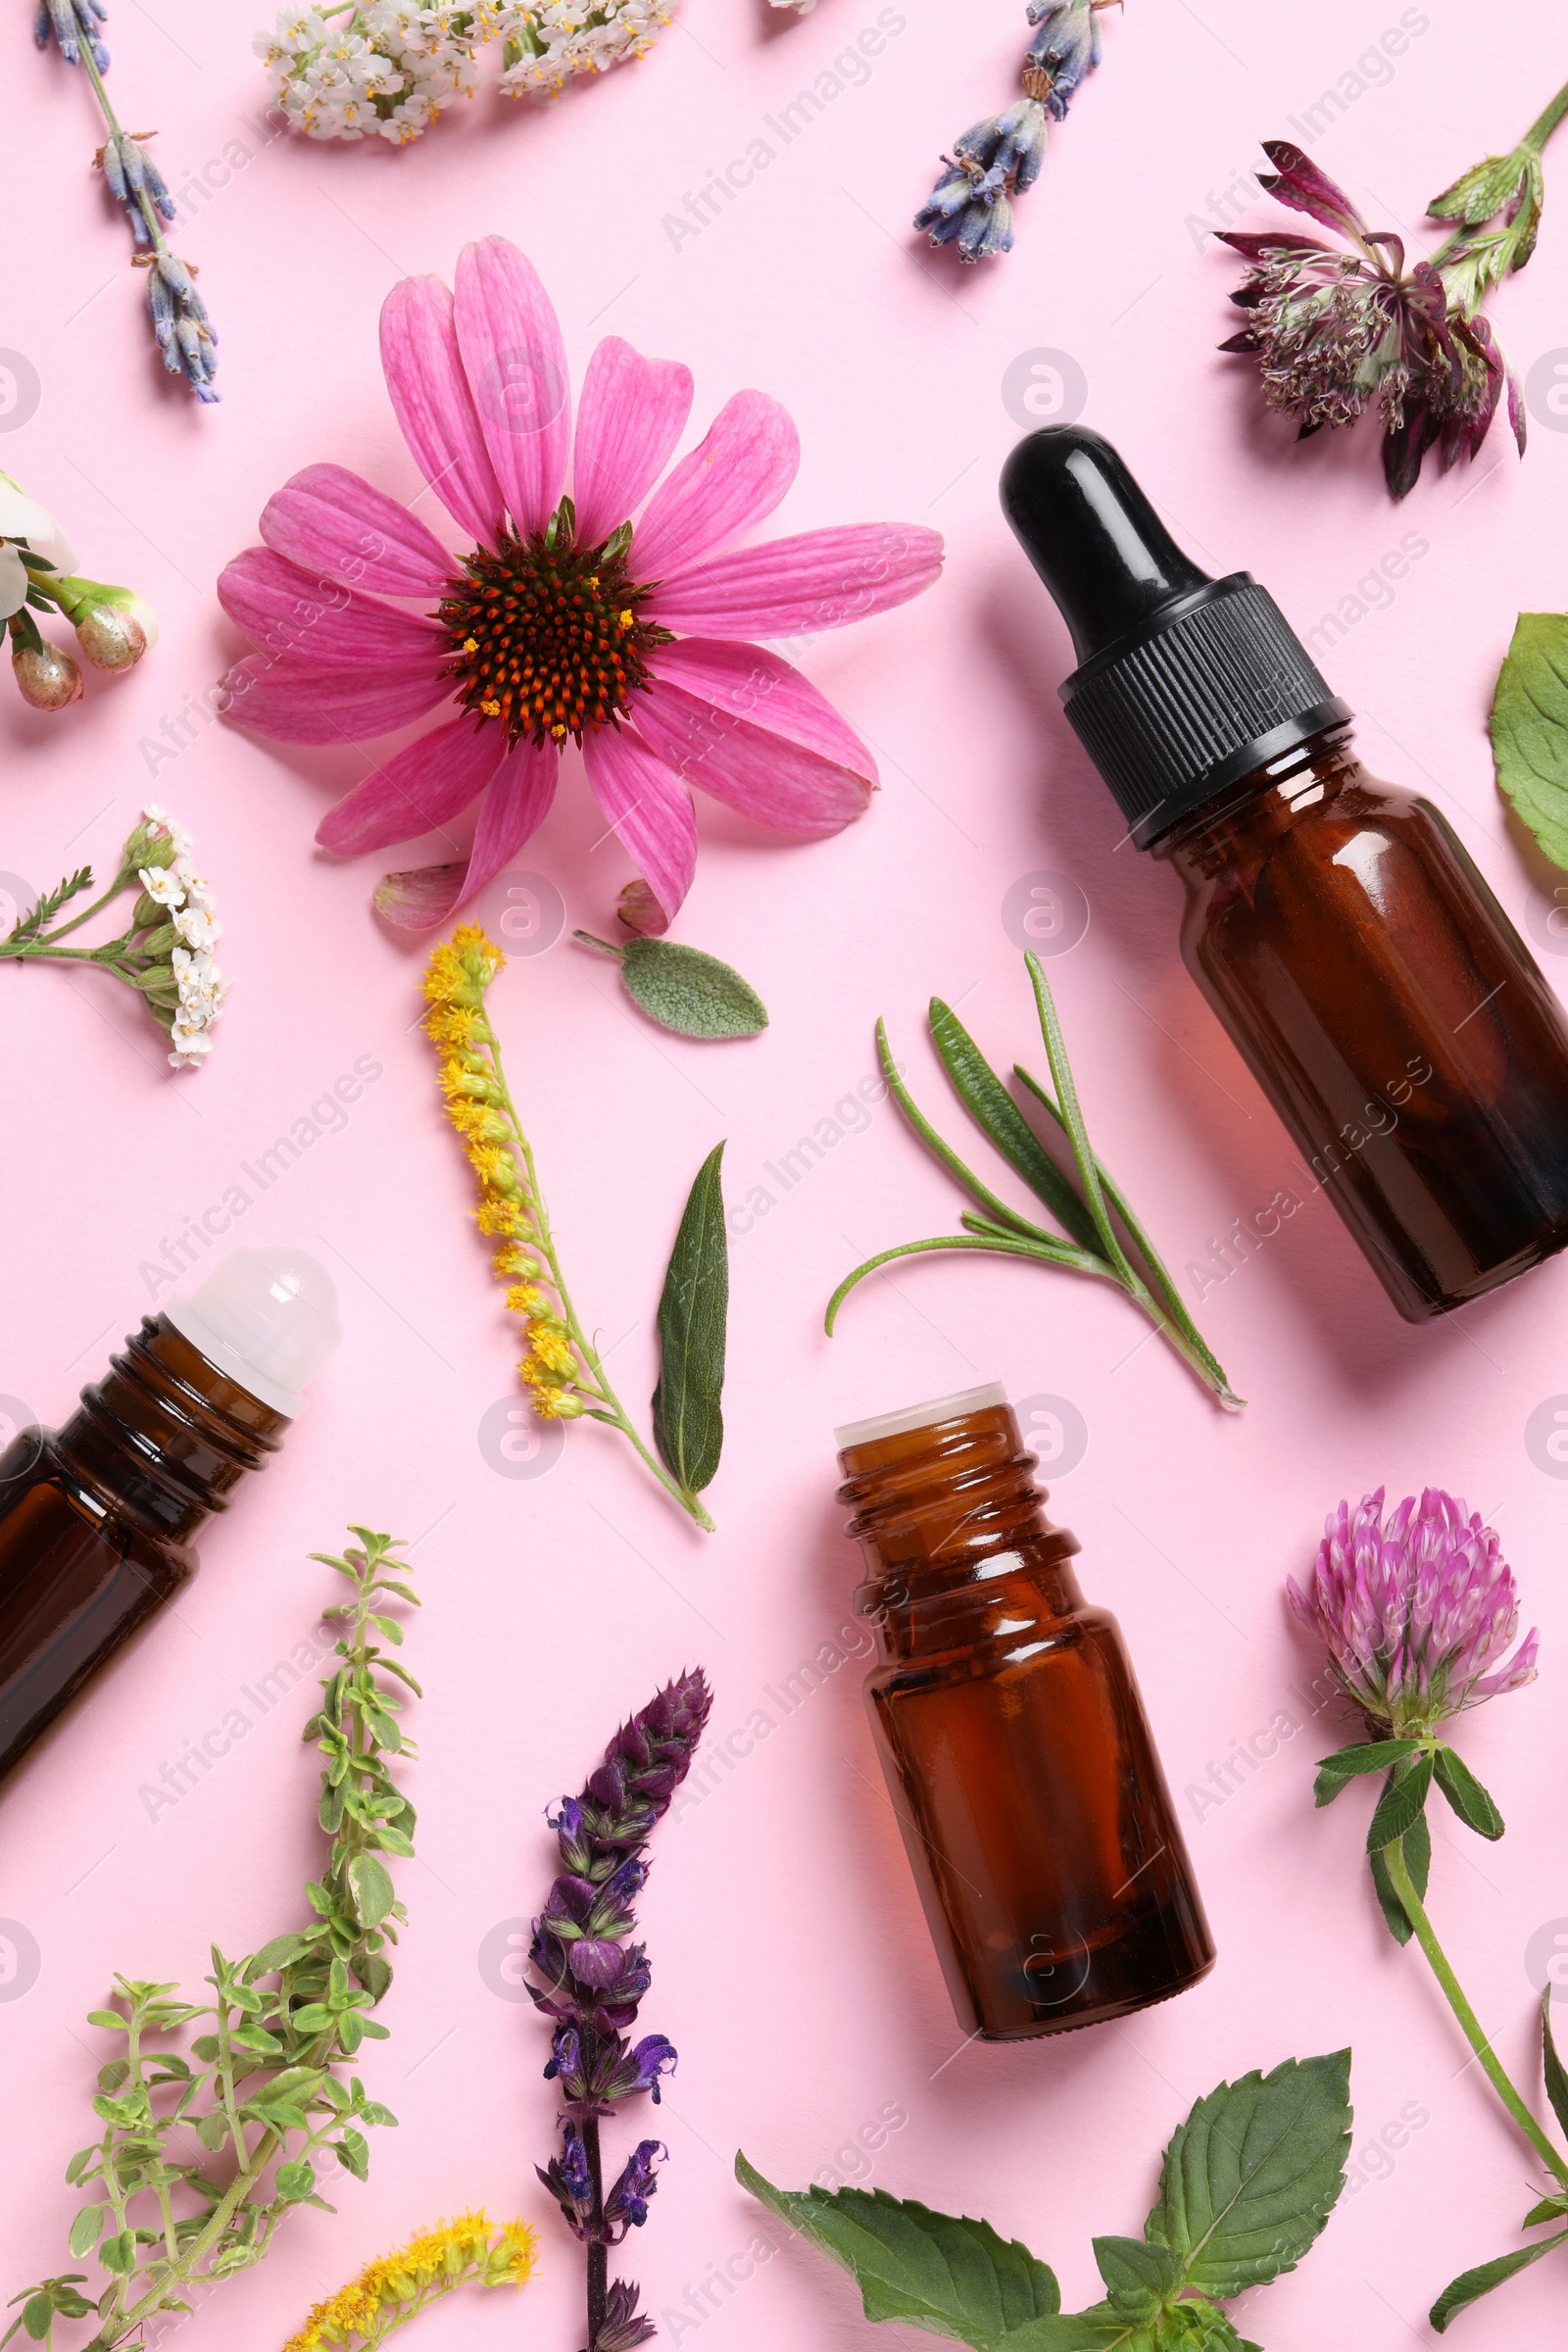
x=385, y=68
x=548, y=45
x=199, y=983
x=373, y=69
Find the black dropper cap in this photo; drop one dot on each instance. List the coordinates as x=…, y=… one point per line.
x=1185, y=683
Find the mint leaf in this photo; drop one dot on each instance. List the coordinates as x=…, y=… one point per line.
x=1465, y=1795
x=1416, y=1847
x=1471, y=2286
x=1138, y=2276
x=1530, y=729
x=1336, y=1772
x=1402, y=1802
x=693, y=1321
x=955, y=2277
x=1251, y=2176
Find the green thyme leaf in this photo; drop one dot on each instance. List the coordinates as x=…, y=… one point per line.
x=1530, y=729
x=693, y=1315
x=955, y=2277
x=685, y=989
x=1252, y=2175
x=1464, y=1792
x=1402, y=1801
x=1416, y=1847
x=1471, y=2286
x=1336, y=1772
x=87, y=2229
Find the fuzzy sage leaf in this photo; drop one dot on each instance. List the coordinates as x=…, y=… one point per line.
x=693, y=1315
x=685, y=989
x=1248, y=2182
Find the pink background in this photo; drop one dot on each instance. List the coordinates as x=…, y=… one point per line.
x=791, y=1963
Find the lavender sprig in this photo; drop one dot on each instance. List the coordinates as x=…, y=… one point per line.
x=591, y=1980
x=182, y=329
x=998, y=158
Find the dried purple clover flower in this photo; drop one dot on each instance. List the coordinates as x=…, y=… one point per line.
x=1339, y=331
x=591, y=1978
x=998, y=158
x=1418, y=1614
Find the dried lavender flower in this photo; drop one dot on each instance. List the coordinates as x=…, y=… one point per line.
x=1000, y=158
x=1341, y=330
x=591, y=1978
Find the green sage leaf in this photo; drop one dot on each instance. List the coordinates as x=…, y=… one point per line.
x=1529, y=730
x=1401, y=1803
x=1336, y=1772
x=1416, y=1847
x=1471, y=2286
x=685, y=989
x=955, y=2277
x=373, y=1888
x=1556, y=2079
x=1464, y=1792
x=1251, y=2177
x=693, y=1314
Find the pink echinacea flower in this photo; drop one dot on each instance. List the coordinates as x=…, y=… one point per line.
x=568, y=620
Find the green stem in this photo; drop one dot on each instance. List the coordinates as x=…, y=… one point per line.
x=1424, y=1935
x=614, y=1411
x=1546, y=122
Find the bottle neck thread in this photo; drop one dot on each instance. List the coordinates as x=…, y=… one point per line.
x=164, y=1436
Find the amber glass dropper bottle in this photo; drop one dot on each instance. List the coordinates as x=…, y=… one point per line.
x=97, y=1518
x=1033, y=1807
x=1386, y=1005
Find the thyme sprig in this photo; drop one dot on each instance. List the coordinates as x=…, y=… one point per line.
x=259, y=2092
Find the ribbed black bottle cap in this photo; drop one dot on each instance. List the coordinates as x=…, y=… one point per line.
x=1185, y=683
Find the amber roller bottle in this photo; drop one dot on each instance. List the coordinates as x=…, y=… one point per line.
x=1386, y=1005
x=1017, y=1755
x=97, y=1517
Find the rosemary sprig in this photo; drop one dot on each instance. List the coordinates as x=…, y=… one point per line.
x=262, y=2097
x=1091, y=1244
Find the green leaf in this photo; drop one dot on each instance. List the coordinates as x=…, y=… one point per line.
x=1138, y=2274
x=87, y=2229
x=1556, y=2079
x=685, y=989
x=1550, y=2209
x=1072, y=1117
x=955, y=2277
x=37, y=2315
x=109, y=2019
x=1336, y=1772
x=1480, y=192
x=1061, y=1254
x=1251, y=2176
x=374, y=1891
x=996, y=1116
x=295, y=2181
x=353, y=2154
x=1530, y=729
x=1464, y=1792
x=693, y=1312
x=119, y=2254
x=1471, y=2286
x=211, y=2130
x=1416, y=1847
x=1402, y=1802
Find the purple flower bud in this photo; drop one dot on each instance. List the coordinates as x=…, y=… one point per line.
x=570, y=2183
x=623, y=2326
x=1418, y=1614
x=627, y=2206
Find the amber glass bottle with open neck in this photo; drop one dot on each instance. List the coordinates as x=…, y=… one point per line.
x=97, y=1518
x=1018, y=1758
x=1386, y=1004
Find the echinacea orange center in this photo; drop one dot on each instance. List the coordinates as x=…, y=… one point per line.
x=545, y=636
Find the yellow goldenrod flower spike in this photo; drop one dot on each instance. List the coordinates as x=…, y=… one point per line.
x=469, y=2250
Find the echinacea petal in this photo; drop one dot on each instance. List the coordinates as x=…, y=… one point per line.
x=303, y=701
x=648, y=807
x=739, y=723
x=817, y=580
x=515, y=804
x=516, y=364
x=733, y=480
x=431, y=397
x=288, y=610
x=334, y=523
x=425, y=785
x=632, y=413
